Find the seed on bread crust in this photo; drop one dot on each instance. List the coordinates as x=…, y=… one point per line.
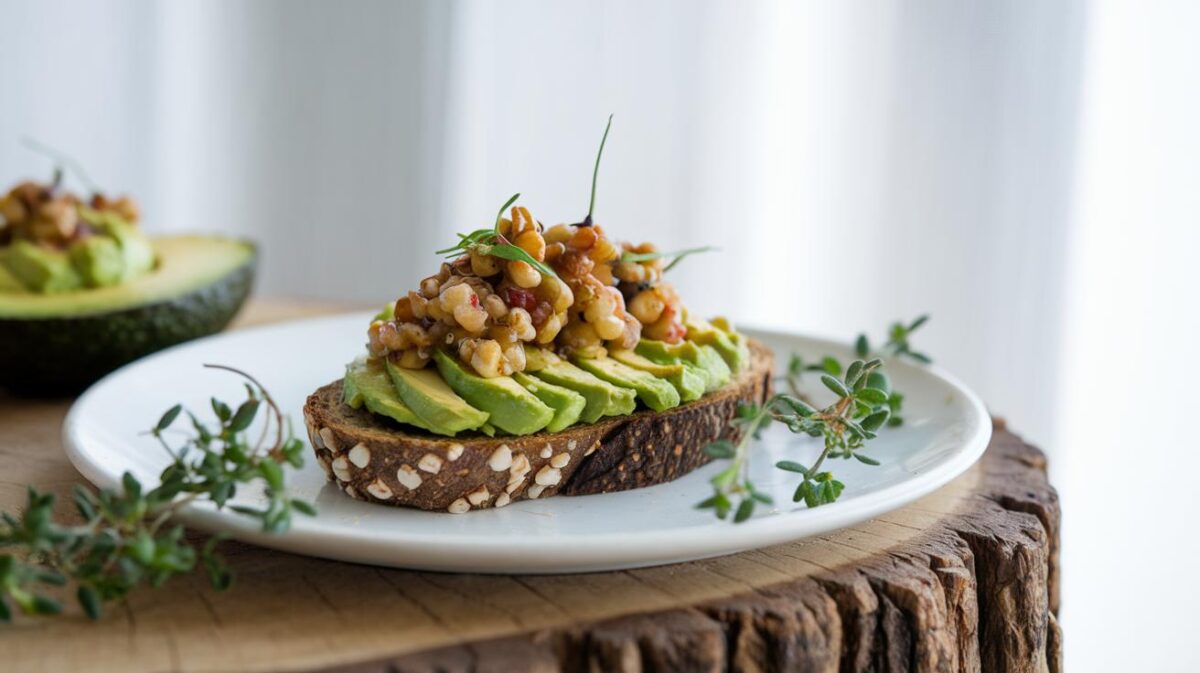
x=408, y=477
x=327, y=439
x=546, y=451
x=503, y=499
x=548, y=476
x=534, y=491
x=459, y=506
x=501, y=459
x=360, y=455
x=454, y=452
x=560, y=460
x=341, y=468
x=430, y=463
x=478, y=496
x=380, y=490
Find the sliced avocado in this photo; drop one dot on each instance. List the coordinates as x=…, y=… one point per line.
x=136, y=249
x=537, y=359
x=428, y=395
x=9, y=282
x=99, y=260
x=654, y=392
x=735, y=353
x=41, y=269
x=367, y=383
x=603, y=398
x=510, y=406
x=705, y=359
x=687, y=379
x=567, y=404
x=58, y=343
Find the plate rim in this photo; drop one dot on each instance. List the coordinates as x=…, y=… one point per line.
x=608, y=550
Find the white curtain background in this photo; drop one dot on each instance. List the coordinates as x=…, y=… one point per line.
x=1015, y=169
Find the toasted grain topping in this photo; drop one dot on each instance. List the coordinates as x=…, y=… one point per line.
x=430, y=463
x=534, y=491
x=503, y=500
x=501, y=459
x=478, y=496
x=546, y=451
x=548, y=476
x=350, y=491
x=380, y=490
x=327, y=439
x=592, y=449
x=360, y=455
x=454, y=452
x=560, y=460
x=408, y=477
x=571, y=444
x=459, y=506
x=342, y=469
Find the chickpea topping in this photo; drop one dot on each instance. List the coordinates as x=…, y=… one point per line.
x=488, y=310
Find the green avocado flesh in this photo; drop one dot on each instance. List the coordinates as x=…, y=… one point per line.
x=185, y=263
x=567, y=404
x=116, y=253
x=688, y=381
x=730, y=345
x=552, y=394
x=434, y=402
x=704, y=359
x=603, y=398
x=509, y=405
x=40, y=269
x=654, y=392
x=54, y=344
x=367, y=383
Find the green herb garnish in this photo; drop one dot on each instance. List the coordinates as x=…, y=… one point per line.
x=587, y=221
x=126, y=539
x=490, y=242
x=677, y=254
x=865, y=403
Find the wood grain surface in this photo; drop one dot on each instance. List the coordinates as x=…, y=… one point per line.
x=965, y=579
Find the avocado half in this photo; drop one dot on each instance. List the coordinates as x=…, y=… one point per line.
x=56, y=344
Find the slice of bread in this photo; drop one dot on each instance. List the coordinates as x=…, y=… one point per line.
x=375, y=459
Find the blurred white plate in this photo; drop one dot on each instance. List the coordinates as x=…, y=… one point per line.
x=946, y=430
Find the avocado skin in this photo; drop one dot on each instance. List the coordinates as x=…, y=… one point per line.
x=56, y=357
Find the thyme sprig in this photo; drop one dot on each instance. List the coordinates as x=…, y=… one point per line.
x=896, y=345
x=845, y=426
x=677, y=255
x=865, y=402
x=126, y=537
x=492, y=242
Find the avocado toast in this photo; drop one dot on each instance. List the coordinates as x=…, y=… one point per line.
x=84, y=291
x=537, y=361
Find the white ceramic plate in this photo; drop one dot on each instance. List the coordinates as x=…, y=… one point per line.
x=947, y=429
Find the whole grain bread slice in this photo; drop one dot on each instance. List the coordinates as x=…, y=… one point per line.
x=375, y=459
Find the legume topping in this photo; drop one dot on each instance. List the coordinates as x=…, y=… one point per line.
x=488, y=309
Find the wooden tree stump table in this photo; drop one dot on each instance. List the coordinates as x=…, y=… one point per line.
x=965, y=579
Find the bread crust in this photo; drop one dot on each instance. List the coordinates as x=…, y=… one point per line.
x=375, y=459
